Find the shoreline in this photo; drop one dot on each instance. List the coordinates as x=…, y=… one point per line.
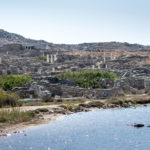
x=56, y=111
x=8, y=129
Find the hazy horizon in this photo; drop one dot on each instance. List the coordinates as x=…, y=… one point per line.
x=76, y=21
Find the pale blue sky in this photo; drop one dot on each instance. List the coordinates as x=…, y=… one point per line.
x=78, y=21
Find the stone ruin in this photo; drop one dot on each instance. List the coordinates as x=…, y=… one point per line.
x=132, y=70
x=54, y=87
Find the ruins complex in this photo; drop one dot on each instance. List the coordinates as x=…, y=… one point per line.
x=42, y=60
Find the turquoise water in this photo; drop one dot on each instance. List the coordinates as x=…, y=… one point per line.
x=94, y=130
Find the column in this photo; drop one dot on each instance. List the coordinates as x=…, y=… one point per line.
x=47, y=58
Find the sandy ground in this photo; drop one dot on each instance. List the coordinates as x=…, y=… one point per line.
x=27, y=108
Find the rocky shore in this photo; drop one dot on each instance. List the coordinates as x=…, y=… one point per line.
x=45, y=114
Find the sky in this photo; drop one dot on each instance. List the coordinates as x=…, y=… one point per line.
x=78, y=21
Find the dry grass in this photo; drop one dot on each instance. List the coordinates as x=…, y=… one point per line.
x=40, y=103
x=8, y=99
x=15, y=115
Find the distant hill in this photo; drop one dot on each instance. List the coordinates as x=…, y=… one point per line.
x=110, y=46
x=12, y=38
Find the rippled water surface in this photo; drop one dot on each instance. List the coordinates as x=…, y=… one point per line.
x=94, y=130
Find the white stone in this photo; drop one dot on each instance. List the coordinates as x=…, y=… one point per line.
x=47, y=58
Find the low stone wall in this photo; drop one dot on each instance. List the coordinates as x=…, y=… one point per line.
x=24, y=92
x=107, y=93
x=90, y=93
x=66, y=89
x=136, y=83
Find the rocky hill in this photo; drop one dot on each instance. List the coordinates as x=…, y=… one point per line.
x=108, y=46
x=11, y=38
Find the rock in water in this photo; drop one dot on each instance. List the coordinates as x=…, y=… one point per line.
x=138, y=125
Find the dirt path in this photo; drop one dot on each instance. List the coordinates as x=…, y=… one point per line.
x=27, y=108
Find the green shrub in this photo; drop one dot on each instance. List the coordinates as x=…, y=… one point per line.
x=88, y=78
x=43, y=58
x=130, y=101
x=7, y=82
x=8, y=99
x=47, y=99
x=41, y=110
x=59, y=100
x=118, y=102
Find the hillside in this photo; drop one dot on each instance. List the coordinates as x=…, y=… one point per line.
x=11, y=38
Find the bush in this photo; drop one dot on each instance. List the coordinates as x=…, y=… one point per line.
x=15, y=115
x=88, y=78
x=47, y=98
x=95, y=104
x=42, y=58
x=41, y=110
x=8, y=99
x=7, y=82
x=59, y=100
